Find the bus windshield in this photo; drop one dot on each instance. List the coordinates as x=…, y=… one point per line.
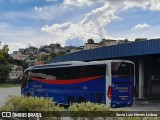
x=122, y=68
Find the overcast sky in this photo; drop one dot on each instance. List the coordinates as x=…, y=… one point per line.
x=25, y=23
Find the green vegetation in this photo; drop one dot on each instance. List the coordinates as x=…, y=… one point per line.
x=90, y=111
x=4, y=72
x=6, y=61
x=82, y=111
x=90, y=41
x=94, y=111
x=4, y=66
x=15, y=81
x=126, y=40
x=4, y=53
x=50, y=56
x=21, y=103
x=8, y=85
x=11, y=83
x=41, y=58
x=31, y=104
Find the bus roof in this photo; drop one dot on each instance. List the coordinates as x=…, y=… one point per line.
x=73, y=63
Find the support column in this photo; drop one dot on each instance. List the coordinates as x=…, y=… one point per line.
x=141, y=78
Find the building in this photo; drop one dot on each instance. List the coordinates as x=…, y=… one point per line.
x=17, y=55
x=89, y=46
x=145, y=55
x=39, y=63
x=104, y=42
x=22, y=50
x=108, y=42
x=48, y=49
x=122, y=41
x=76, y=49
x=55, y=45
x=16, y=71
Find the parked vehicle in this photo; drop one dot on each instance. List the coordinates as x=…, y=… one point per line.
x=110, y=82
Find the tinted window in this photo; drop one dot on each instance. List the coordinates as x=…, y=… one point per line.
x=98, y=70
x=48, y=74
x=65, y=73
x=122, y=68
x=84, y=71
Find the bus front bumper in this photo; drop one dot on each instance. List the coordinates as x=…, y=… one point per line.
x=115, y=104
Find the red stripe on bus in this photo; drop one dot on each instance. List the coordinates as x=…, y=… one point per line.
x=72, y=81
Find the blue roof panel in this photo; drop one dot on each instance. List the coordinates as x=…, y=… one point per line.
x=115, y=51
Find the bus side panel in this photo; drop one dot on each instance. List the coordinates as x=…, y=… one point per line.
x=76, y=82
x=93, y=90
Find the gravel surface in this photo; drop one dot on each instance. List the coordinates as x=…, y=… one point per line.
x=6, y=92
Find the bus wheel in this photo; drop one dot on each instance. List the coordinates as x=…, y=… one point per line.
x=81, y=100
x=29, y=94
x=71, y=101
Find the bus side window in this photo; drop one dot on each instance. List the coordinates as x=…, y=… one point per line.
x=48, y=74
x=98, y=70
x=71, y=72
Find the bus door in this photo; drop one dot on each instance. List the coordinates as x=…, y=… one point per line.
x=122, y=84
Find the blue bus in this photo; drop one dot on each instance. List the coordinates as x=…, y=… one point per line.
x=110, y=82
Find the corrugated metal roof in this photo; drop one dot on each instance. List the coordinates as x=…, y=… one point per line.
x=116, y=51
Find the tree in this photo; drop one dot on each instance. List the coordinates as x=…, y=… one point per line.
x=4, y=66
x=4, y=52
x=44, y=57
x=52, y=55
x=126, y=40
x=61, y=53
x=90, y=41
x=4, y=72
x=25, y=65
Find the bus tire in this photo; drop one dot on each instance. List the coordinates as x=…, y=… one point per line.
x=29, y=94
x=81, y=99
x=71, y=100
